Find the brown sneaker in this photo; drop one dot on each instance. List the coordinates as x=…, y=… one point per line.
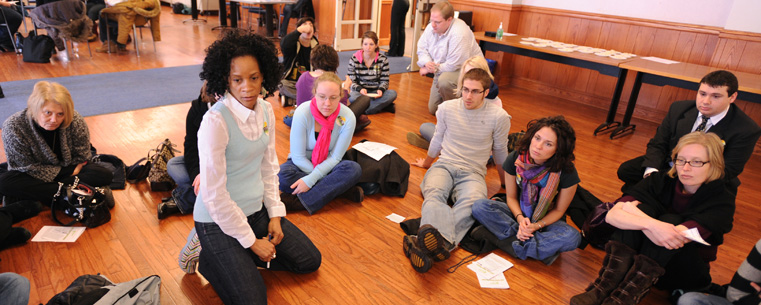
x=417, y=140
x=92, y=37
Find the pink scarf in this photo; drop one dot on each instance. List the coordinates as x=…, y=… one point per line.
x=320, y=152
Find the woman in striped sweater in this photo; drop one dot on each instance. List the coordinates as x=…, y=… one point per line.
x=743, y=289
x=368, y=70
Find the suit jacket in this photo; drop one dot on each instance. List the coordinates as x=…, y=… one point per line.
x=738, y=131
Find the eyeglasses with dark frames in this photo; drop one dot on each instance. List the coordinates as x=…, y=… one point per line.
x=693, y=163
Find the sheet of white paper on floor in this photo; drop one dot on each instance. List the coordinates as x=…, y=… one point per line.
x=694, y=235
x=58, y=234
x=498, y=281
x=395, y=217
x=490, y=266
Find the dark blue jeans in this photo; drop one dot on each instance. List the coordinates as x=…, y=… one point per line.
x=184, y=195
x=343, y=176
x=231, y=269
x=555, y=238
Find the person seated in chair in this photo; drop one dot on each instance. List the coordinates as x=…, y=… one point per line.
x=295, y=11
x=467, y=130
x=13, y=19
x=48, y=146
x=652, y=220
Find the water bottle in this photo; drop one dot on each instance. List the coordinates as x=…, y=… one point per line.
x=500, y=32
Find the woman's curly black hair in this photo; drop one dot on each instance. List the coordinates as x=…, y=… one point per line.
x=235, y=43
x=566, y=142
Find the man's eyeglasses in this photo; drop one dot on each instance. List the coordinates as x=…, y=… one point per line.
x=466, y=91
x=693, y=163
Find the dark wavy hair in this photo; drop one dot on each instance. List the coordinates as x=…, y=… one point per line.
x=566, y=143
x=324, y=57
x=235, y=43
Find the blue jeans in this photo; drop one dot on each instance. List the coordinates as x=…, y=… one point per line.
x=183, y=194
x=343, y=176
x=553, y=239
x=231, y=269
x=14, y=289
x=427, y=130
x=376, y=104
x=699, y=298
x=465, y=187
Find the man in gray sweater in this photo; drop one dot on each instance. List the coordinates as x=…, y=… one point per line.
x=467, y=130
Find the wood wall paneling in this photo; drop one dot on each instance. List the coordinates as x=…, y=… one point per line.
x=384, y=23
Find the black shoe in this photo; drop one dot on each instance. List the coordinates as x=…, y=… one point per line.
x=390, y=108
x=17, y=236
x=355, y=193
x=23, y=209
x=292, y=202
x=167, y=207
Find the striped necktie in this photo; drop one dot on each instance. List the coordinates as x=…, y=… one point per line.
x=702, y=126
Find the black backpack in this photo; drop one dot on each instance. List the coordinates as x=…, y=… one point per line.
x=97, y=289
x=38, y=48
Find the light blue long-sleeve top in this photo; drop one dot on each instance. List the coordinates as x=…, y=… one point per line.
x=303, y=140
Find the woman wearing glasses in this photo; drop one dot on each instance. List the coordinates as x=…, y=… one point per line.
x=653, y=219
x=321, y=133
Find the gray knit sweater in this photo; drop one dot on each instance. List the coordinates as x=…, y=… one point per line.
x=465, y=138
x=28, y=152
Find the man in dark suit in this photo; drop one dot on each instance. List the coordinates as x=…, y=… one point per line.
x=713, y=111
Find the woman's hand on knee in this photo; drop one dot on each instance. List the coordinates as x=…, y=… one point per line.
x=78, y=168
x=299, y=187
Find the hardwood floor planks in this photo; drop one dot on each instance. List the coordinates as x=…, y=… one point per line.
x=363, y=261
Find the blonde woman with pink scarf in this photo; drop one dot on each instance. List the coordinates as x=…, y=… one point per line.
x=315, y=173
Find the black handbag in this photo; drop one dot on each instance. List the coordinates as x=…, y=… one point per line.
x=38, y=48
x=81, y=202
x=595, y=229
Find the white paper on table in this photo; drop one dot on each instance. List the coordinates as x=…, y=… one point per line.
x=395, y=217
x=374, y=150
x=508, y=34
x=694, y=235
x=58, y=234
x=498, y=281
x=660, y=60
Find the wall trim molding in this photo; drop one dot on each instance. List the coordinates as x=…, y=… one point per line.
x=626, y=20
x=487, y=5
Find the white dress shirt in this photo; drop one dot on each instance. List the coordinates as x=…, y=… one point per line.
x=212, y=142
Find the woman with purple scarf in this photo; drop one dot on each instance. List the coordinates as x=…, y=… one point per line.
x=540, y=181
x=315, y=173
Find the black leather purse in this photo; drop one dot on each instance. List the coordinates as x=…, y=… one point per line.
x=38, y=48
x=81, y=202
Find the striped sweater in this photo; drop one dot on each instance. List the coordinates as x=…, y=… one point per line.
x=372, y=78
x=740, y=291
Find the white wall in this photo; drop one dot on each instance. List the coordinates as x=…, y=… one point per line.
x=741, y=15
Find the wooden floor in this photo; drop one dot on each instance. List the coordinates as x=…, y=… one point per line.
x=363, y=261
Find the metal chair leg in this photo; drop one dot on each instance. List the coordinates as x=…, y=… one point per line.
x=134, y=33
